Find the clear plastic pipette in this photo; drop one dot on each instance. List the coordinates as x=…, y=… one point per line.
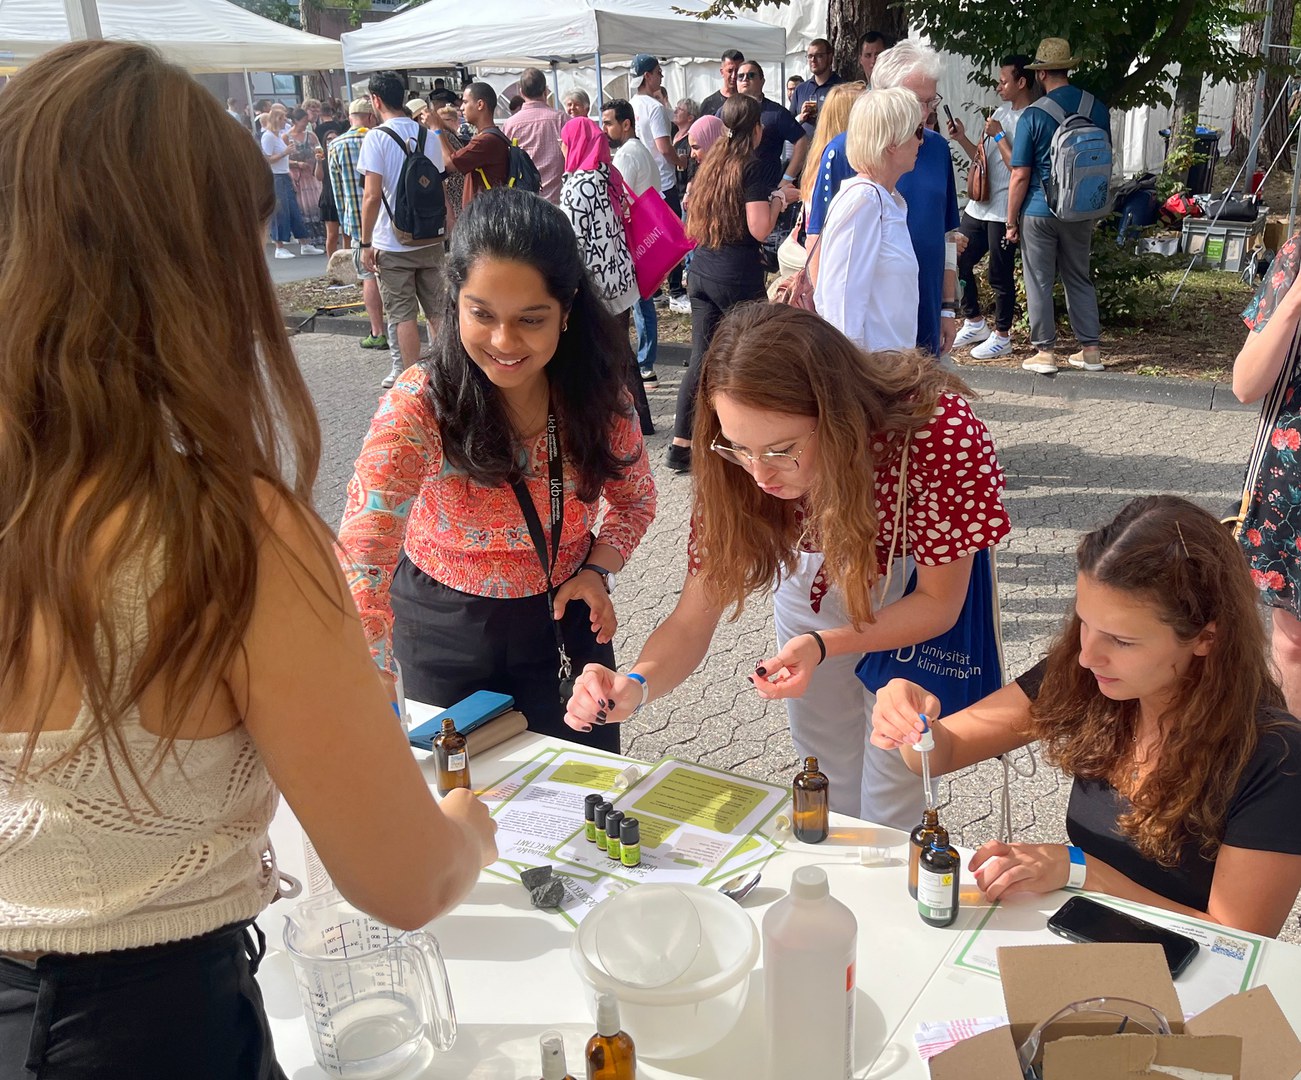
x=924, y=746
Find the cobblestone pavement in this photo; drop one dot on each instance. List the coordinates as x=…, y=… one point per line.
x=1070, y=466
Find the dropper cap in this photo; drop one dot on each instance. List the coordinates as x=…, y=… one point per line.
x=927, y=740
x=554, y=1066
x=607, y=1015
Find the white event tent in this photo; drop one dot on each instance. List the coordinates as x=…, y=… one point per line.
x=203, y=36
x=512, y=34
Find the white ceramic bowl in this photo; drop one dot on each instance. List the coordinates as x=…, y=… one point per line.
x=695, y=1010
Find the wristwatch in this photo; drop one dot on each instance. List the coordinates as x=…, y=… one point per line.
x=608, y=576
x=362, y=244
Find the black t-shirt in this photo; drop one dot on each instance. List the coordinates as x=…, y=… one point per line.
x=779, y=128
x=712, y=103
x=1261, y=814
x=737, y=264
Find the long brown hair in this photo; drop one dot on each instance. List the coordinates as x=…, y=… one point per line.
x=833, y=119
x=784, y=360
x=716, y=215
x=1164, y=551
x=146, y=381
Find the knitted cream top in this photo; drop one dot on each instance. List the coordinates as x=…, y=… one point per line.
x=82, y=870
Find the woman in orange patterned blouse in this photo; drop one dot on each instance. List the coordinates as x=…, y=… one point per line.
x=489, y=464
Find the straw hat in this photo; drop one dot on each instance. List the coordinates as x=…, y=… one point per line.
x=417, y=107
x=1054, y=54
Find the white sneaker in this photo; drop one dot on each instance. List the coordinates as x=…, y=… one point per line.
x=679, y=305
x=395, y=373
x=285, y=253
x=992, y=348
x=971, y=333
x=310, y=249
x=1087, y=360
x=1044, y=362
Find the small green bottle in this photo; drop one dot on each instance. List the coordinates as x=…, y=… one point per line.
x=612, y=821
x=589, y=816
x=630, y=842
x=598, y=820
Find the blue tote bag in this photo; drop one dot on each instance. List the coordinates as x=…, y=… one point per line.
x=961, y=665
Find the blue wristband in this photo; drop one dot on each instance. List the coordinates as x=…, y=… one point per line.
x=1079, y=867
x=999, y=136
x=645, y=689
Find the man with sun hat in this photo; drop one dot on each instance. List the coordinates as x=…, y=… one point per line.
x=1050, y=247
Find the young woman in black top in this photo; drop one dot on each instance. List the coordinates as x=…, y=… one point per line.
x=1158, y=699
x=733, y=209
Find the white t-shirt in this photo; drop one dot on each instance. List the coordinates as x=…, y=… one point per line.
x=637, y=165
x=867, y=270
x=653, y=122
x=1000, y=176
x=275, y=144
x=381, y=154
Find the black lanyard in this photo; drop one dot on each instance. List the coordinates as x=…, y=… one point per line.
x=556, y=491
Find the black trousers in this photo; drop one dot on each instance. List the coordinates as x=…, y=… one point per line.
x=674, y=198
x=451, y=644
x=987, y=237
x=187, y=1009
x=709, y=303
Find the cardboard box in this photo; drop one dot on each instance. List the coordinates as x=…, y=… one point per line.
x=1243, y=1037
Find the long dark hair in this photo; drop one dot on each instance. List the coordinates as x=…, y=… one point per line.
x=716, y=215
x=1167, y=552
x=585, y=374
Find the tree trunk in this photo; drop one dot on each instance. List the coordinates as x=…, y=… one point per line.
x=309, y=18
x=1188, y=103
x=847, y=19
x=1275, y=134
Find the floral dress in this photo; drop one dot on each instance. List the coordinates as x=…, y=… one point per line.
x=1272, y=524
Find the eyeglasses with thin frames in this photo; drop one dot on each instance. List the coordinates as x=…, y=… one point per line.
x=777, y=460
x=934, y=103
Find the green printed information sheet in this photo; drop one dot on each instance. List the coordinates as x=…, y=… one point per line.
x=705, y=801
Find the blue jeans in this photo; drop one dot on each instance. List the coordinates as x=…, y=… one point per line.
x=648, y=333
x=288, y=222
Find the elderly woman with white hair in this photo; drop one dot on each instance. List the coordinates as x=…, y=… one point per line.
x=929, y=190
x=576, y=102
x=864, y=268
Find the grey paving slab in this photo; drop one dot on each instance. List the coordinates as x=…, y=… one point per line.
x=1071, y=464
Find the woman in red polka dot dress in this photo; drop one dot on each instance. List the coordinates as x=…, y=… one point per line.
x=797, y=450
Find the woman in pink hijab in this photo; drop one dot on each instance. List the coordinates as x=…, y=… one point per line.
x=703, y=134
x=591, y=195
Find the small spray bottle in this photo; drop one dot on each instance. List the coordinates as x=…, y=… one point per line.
x=451, y=758
x=552, y=1044
x=610, y=1052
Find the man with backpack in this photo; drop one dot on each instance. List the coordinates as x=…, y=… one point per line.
x=490, y=159
x=1061, y=165
x=403, y=216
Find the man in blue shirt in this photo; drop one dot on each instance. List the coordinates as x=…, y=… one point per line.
x=813, y=91
x=1048, y=246
x=929, y=190
x=779, y=127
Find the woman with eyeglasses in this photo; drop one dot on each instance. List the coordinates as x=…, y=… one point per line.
x=864, y=268
x=733, y=209
x=800, y=442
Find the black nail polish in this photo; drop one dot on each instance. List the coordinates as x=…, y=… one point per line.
x=761, y=670
x=600, y=719
x=600, y=715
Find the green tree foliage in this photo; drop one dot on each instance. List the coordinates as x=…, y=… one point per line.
x=1129, y=45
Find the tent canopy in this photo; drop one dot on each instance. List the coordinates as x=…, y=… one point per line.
x=511, y=33
x=203, y=36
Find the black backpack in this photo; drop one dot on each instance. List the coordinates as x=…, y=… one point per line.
x=419, y=211
x=521, y=173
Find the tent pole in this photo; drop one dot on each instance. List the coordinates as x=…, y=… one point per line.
x=555, y=82
x=600, y=85
x=347, y=83
x=83, y=20
x=248, y=91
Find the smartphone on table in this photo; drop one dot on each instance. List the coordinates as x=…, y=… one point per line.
x=469, y=713
x=1082, y=919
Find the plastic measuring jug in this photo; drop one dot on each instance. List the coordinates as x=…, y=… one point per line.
x=373, y=996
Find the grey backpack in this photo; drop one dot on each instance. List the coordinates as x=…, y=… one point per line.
x=1078, y=185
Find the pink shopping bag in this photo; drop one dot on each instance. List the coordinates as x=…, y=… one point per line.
x=655, y=237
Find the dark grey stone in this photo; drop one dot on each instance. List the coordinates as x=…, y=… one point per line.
x=549, y=895
x=535, y=877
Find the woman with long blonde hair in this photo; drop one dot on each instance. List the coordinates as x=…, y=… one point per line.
x=177, y=643
x=732, y=211
x=801, y=440
x=1158, y=700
